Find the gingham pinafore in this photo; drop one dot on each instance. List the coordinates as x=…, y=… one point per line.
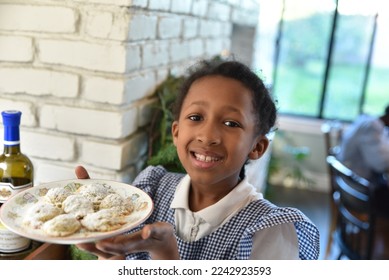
x=234, y=239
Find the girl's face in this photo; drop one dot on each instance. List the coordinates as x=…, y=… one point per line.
x=215, y=133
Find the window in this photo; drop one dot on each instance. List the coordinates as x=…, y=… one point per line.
x=325, y=58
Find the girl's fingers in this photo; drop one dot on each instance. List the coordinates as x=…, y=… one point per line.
x=81, y=172
x=123, y=244
x=158, y=231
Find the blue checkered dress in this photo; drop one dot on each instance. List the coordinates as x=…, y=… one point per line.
x=234, y=239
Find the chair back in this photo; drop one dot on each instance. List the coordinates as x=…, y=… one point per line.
x=354, y=199
x=332, y=132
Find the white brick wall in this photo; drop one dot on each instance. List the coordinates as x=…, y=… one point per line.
x=83, y=73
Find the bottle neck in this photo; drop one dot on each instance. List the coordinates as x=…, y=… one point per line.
x=14, y=149
x=11, y=139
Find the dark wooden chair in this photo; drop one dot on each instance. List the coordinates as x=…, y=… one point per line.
x=332, y=133
x=360, y=233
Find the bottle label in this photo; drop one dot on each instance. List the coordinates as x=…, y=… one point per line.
x=7, y=190
x=11, y=242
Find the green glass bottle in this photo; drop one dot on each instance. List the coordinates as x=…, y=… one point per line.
x=16, y=174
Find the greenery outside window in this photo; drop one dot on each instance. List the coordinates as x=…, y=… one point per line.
x=325, y=58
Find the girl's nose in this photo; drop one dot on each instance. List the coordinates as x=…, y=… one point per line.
x=209, y=135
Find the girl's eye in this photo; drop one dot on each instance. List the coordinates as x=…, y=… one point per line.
x=232, y=124
x=195, y=118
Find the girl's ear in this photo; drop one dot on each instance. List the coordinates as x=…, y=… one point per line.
x=260, y=147
x=175, y=132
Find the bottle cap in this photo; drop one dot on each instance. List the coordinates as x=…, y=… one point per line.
x=11, y=117
x=11, y=122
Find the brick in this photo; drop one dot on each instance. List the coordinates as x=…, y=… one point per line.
x=214, y=46
x=139, y=3
x=134, y=149
x=251, y=6
x=126, y=3
x=244, y=17
x=190, y=27
x=38, y=82
x=142, y=27
x=103, y=155
x=162, y=74
x=139, y=86
x=179, y=6
x=116, y=155
x=47, y=146
x=155, y=54
x=17, y=17
x=50, y=171
x=239, y=3
x=200, y=8
x=106, y=25
x=106, y=124
x=146, y=109
x=18, y=49
x=26, y=107
x=219, y=11
x=133, y=57
x=196, y=48
x=92, y=56
x=227, y=29
x=180, y=69
x=104, y=90
x=211, y=28
x=179, y=50
x=169, y=27
x=161, y=5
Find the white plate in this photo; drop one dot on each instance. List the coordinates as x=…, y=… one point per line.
x=12, y=213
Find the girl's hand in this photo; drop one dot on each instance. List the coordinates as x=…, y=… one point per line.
x=158, y=239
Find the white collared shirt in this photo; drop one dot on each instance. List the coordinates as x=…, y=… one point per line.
x=278, y=242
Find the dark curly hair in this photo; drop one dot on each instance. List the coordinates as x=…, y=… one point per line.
x=263, y=104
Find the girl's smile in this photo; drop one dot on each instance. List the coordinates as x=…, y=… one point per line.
x=206, y=160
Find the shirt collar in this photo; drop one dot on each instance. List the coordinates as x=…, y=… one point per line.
x=215, y=214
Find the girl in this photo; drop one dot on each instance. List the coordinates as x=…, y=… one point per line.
x=221, y=118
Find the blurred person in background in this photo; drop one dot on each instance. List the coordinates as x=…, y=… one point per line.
x=365, y=150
